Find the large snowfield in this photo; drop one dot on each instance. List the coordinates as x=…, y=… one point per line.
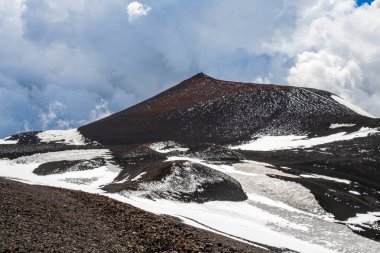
x=291, y=219
x=268, y=143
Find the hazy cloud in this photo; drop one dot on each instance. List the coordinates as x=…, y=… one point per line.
x=100, y=111
x=51, y=118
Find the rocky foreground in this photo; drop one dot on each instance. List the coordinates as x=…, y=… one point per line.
x=39, y=218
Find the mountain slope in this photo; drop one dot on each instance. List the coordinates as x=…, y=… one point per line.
x=277, y=165
x=202, y=109
x=93, y=223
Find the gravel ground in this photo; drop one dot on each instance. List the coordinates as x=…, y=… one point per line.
x=45, y=219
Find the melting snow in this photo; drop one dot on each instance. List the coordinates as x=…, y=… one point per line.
x=364, y=219
x=292, y=218
x=268, y=143
x=138, y=176
x=272, y=216
x=355, y=192
x=222, y=168
x=68, y=155
x=6, y=141
x=70, y=137
x=21, y=169
x=166, y=147
x=270, y=202
x=333, y=126
x=356, y=228
x=344, y=181
x=352, y=107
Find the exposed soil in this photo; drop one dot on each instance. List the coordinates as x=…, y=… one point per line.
x=38, y=218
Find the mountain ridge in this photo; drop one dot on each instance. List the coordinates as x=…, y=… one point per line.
x=202, y=108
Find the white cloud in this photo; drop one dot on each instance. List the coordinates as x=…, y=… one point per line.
x=80, y=52
x=335, y=47
x=326, y=71
x=136, y=10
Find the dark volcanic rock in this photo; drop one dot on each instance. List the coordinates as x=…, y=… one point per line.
x=357, y=161
x=18, y=150
x=335, y=197
x=181, y=180
x=45, y=219
x=202, y=109
x=371, y=233
x=26, y=137
x=67, y=166
x=215, y=153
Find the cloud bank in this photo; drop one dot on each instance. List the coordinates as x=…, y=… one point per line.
x=335, y=48
x=66, y=63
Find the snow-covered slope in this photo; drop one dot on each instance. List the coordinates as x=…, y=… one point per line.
x=269, y=165
x=276, y=212
x=70, y=137
x=352, y=107
x=7, y=141
x=267, y=143
x=67, y=137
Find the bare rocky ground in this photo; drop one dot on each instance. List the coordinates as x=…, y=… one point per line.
x=45, y=219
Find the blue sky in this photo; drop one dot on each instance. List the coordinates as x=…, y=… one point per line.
x=361, y=2
x=66, y=63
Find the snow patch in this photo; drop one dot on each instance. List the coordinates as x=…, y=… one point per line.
x=269, y=143
x=364, y=219
x=138, y=176
x=344, y=181
x=352, y=107
x=69, y=137
x=270, y=202
x=86, y=180
x=333, y=126
x=354, y=192
x=356, y=228
x=6, y=141
x=21, y=169
x=68, y=155
x=167, y=147
x=222, y=167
